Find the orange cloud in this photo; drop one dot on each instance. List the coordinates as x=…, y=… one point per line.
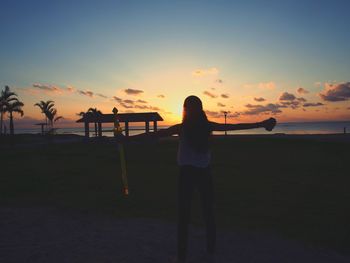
x=86, y=93
x=269, y=108
x=133, y=91
x=301, y=90
x=259, y=99
x=221, y=105
x=101, y=95
x=336, y=92
x=211, y=95
x=48, y=88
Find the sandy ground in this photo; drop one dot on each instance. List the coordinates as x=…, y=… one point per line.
x=53, y=235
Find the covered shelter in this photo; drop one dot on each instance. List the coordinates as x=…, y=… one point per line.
x=126, y=118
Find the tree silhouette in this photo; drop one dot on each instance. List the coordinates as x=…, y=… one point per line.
x=95, y=113
x=81, y=114
x=6, y=97
x=45, y=107
x=13, y=106
x=51, y=116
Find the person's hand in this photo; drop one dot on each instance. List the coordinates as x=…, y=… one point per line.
x=269, y=124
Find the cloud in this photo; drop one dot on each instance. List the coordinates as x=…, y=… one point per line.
x=117, y=99
x=310, y=104
x=213, y=114
x=290, y=100
x=231, y=114
x=101, y=95
x=142, y=107
x=221, y=105
x=128, y=104
x=266, y=109
x=234, y=115
x=211, y=95
x=220, y=114
x=128, y=101
x=125, y=105
x=70, y=88
x=267, y=85
x=261, y=99
x=146, y=107
x=336, y=92
x=133, y=91
x=131, y=104
x=301, y=90
x=291, y=104
x=161, y=96
x=86, y=93
x=287, y=96
x=225, y=96
x=49, y=88
x=204, y=72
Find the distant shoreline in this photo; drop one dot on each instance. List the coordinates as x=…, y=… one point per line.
x=305, y=128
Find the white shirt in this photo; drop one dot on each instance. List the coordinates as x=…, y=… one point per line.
x=188, y=156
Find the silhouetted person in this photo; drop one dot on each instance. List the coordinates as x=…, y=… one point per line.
x=193, y=159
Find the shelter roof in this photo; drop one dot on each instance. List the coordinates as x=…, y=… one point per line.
x=123, y=117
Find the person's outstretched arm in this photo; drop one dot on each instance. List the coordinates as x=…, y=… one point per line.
x=175, y=129
x=268, y=124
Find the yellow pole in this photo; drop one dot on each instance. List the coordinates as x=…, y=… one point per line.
x=118, y=131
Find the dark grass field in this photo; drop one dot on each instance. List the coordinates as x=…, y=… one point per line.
x=295, y=188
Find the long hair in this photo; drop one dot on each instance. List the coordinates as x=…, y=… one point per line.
x=195, y=125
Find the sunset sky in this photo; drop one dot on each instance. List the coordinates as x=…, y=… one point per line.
x=254, y=59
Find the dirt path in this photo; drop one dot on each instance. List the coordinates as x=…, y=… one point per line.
x=52, y=235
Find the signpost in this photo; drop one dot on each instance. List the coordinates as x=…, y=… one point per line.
x=225, y=114
x=117, y=132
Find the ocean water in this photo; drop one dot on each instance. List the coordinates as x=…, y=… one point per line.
x=286, y=128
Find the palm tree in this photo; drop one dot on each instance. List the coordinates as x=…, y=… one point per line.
x=14, y=106
x=6, y=97
x=81, y=114
x=51, y=116
x=95, y=113
x=45, y=107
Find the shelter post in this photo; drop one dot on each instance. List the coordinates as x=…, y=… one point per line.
x=155, y=126
x=86, y=127
x=147, y=126
x=99, y=129
x=126, y=128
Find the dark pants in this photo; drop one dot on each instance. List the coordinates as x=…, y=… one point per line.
x=191, y=178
